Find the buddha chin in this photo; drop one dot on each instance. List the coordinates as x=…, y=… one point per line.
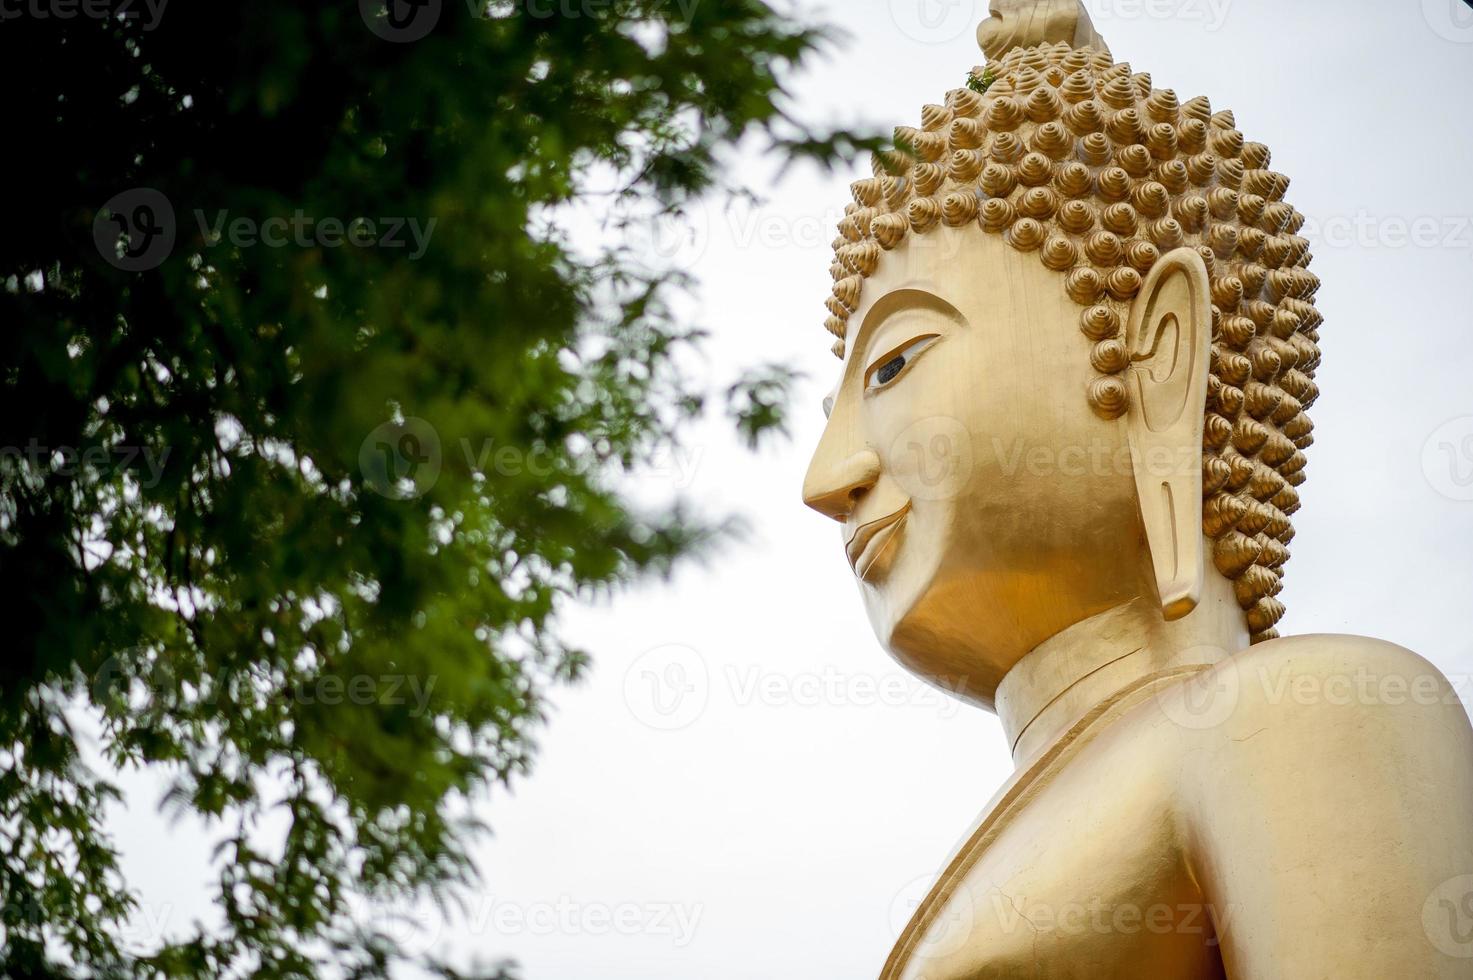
x=959, y=594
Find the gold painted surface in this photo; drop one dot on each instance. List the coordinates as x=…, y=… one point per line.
x=1088, y=541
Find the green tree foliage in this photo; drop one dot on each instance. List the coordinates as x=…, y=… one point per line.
x=233, y=482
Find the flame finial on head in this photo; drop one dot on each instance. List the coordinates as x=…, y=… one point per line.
x=1029, y=23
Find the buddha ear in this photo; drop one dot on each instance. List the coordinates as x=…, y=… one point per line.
x=1169, y=338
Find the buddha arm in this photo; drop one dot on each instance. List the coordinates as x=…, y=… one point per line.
x=1331, y=821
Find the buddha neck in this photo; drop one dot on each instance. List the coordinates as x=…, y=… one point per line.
x=1070, y=673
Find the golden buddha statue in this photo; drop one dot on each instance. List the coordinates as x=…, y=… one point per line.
x=1079, y=340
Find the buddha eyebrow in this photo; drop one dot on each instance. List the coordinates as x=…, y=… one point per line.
x=900, y=302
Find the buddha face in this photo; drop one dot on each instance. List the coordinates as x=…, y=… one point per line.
x=984, y=507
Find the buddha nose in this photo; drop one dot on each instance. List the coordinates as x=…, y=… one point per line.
x=835, y=481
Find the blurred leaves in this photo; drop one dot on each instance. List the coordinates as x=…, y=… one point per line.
x=757, y=402
x=213, y=527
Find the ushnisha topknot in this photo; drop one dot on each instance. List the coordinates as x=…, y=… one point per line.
x=1064, y=152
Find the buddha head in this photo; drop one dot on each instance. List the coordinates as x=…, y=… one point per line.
x=1078, y=342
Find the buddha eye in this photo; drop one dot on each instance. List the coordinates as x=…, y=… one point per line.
x=888, y=367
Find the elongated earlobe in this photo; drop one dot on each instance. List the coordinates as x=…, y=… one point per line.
x=1169, y=340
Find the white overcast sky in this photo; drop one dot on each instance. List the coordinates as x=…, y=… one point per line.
x=745, y=785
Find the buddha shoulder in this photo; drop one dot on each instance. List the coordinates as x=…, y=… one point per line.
x=1324, y=700
x=1325, y=799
